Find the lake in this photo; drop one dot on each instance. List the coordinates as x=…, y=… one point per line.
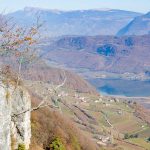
x=129, y=88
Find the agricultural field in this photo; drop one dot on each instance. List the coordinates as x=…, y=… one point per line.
x=101, y=117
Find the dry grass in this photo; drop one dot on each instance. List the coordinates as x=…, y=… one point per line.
x=48, y=124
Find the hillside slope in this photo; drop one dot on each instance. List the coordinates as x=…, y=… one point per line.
x=51, y=124
x=129, y=54
x=89, y=122
x=38, y=70
x=56, y=76
x=139, y=26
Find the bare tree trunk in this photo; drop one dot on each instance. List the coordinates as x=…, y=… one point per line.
x=19, y=71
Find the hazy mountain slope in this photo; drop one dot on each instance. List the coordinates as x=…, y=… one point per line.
x=39, y=71
x=101, y=53
x=57, y=76
x=80, y=22
x=139, y=26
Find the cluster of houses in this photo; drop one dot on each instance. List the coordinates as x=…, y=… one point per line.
x=104, y=140
x=63, y=94
x=110, y=100
x=81, y=98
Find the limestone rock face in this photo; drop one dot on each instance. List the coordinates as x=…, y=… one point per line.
x=15, y=126
x=5, y=121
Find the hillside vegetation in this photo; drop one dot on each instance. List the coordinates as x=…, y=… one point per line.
x=89, y=118
x=47, y=125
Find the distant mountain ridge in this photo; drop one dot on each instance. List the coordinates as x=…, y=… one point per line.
x=76, y=22
x=101, y=53
x=138, y=26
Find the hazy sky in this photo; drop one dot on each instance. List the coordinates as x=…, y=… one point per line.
x=133, y=5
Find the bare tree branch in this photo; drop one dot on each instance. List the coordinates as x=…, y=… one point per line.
x=45, y=101
x=34, y=109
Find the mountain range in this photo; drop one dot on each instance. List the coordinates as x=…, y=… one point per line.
x=138, y=26
x=101, y=43
x=78, y=22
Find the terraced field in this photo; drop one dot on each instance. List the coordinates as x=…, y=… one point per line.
x=98, y=116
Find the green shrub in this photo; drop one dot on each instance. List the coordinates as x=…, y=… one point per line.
x=21, y=147
x=57, y=145
x=126, y=136
x=148, y=140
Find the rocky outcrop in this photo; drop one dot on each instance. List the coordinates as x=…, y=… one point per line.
x=5, y=119
x=14, y=127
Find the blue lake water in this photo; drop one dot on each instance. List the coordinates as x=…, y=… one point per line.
x=130, y=88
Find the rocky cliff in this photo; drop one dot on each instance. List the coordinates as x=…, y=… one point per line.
x=14, y=124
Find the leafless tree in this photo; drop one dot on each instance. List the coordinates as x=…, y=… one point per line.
x=46, y=101
x=21, y=44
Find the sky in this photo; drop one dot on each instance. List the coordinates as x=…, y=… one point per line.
x=132, y=5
